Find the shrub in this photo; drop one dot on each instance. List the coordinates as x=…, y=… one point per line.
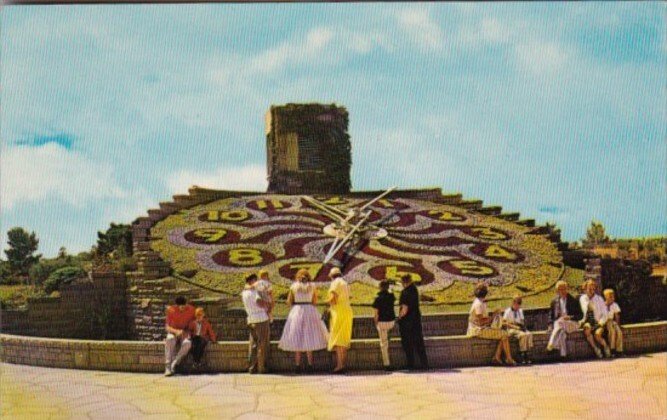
x=62, y=276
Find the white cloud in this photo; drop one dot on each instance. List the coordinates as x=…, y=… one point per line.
x=421, y=28
x=542, y=57
x=35, y=173
x=244, y=178
x=319, y=46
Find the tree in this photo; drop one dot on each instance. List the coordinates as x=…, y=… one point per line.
x=62, y=252
x=21, y=252
x=117, y=239
x=595, y=235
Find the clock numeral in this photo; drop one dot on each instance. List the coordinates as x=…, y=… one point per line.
x=384, y=203
x=245, y=256
x=446, y=216
x=272, y=204
x=210, y=235
x=392, y=273
x=495, y=251
x=227, y=216
x=488, y=233
x=471, y=267
x=313, y=268
x=333, y=201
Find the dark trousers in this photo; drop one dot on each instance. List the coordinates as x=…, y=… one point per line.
x=412, y=340
x=198, y=348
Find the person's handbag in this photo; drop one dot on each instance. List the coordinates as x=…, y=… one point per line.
x=326, y=317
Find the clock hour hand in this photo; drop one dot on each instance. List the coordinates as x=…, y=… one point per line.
x=333, y=213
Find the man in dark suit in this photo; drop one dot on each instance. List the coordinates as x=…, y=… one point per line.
x=564, y=314
x=410, y=324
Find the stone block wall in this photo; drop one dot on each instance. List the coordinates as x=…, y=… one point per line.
x=230, y=325
x=90, y=309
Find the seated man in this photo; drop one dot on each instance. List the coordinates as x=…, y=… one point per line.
x=177, y=345
x=564, y=314
x=595, y=318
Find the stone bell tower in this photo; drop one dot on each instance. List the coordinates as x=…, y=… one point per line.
x=308, y=149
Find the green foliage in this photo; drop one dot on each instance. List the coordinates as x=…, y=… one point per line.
x=595, y=235
x=635, y=291
x=5, y=273
x=116, y=241
x=21, y=252
x=62, y=276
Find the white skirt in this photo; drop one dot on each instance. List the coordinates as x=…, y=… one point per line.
x=304, y=330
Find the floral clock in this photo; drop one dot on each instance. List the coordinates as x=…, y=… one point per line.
x=439, y=246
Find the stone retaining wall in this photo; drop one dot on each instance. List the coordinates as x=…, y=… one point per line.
x=87, y=309
x=230, y=325
x=443, y=352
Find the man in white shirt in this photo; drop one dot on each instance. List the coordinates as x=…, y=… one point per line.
x=258, y=324
x=595, y=318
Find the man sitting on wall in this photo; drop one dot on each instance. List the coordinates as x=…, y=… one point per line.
x=564, y=315
x=177, y=345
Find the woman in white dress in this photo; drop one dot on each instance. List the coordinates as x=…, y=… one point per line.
x=304, y=330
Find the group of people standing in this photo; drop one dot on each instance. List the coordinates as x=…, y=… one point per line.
x=305, y=330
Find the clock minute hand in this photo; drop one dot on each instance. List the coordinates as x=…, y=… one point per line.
x=365, y=206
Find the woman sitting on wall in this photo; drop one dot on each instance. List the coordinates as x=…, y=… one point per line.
x=481, y=325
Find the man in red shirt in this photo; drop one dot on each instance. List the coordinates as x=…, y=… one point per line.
x=177, y=345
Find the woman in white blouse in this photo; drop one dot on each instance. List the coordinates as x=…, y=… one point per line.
x=481, y=325
x=304, y=330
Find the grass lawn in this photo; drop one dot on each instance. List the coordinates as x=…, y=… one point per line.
x=13, y=296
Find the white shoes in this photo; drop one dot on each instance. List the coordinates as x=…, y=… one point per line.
x=607, y=352
x=598, y=353
x=168, y=371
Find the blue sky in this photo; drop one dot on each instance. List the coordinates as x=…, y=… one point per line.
x=558, y=111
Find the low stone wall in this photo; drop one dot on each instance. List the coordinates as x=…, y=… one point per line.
x=443, y=352
x=230, y=325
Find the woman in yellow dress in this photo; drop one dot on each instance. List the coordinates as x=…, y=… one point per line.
x=340, y=334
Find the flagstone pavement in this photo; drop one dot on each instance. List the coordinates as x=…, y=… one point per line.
x=633, y=387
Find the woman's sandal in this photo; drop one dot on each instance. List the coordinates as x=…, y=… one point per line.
x=510, y=363
x=496, y=362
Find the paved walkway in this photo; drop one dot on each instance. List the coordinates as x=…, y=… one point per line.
x=626, y=388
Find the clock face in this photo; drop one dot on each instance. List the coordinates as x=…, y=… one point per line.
x=439, y=246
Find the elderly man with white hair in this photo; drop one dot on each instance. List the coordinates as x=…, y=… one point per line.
x=340, y=334
x=564, y=315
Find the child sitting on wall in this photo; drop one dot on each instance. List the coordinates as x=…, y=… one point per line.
x=201, y=333
x=613, y=323
x=515, y=322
